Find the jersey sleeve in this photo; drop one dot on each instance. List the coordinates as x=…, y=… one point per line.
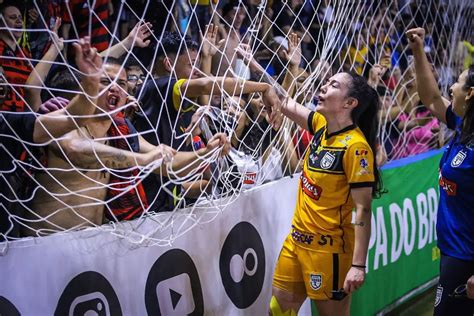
x=358, y=163
x=315, y=122
x=176, y=93
x=21, y=124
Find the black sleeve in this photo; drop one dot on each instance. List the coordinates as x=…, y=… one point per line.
x=310, y=123
x=361, y=185
x=21, y=124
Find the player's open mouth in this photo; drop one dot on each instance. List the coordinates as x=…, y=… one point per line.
x=112, y=101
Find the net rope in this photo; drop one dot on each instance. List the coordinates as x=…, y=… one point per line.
x=333, y=36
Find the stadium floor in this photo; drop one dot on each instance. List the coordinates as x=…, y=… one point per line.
x=419, y=306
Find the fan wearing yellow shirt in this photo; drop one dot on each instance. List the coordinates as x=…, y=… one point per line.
x=324, y=255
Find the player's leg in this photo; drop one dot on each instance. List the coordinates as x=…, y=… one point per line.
x=288, y=292
x=324, y=278
x=333, y=307
x=286, y=303
x=450, y=299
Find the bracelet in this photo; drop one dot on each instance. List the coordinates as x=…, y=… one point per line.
x=358, y=266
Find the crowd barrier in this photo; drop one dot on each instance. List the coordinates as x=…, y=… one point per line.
x=223, y=265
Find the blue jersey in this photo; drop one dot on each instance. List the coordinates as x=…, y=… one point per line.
x=455, y=225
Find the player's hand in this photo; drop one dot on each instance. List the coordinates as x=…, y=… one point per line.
x=53, y=104
x=194, y=127
x=354, y=279
x=210, y=46
x=219, y=140
x=88, y=59
x=470, y=288
x=293, y=54
x=32, y=16
x=416, y=37
x=58, y=42
x=273, y=106
x=139, y=34
x=375, y=74
x=161, y=151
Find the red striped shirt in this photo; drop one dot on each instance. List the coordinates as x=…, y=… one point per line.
x=16, y=68
x=82, y=17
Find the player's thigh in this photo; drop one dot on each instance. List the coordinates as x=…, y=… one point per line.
x=288, y=287
x=324, y=274
x=333, y=307
x=453, y=274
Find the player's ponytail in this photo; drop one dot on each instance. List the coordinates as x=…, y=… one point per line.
x=365, y=117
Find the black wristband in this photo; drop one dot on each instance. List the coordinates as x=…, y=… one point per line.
x=358, y=266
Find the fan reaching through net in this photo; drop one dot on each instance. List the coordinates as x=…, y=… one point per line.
x=182, y=119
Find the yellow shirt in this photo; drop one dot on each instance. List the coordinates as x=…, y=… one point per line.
x=469, y=53
x=358, y=58
x=200, y=2
x=333, y=165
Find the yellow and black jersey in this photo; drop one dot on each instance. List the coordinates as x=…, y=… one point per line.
x=334, y=163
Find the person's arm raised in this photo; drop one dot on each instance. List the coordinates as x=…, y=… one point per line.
x=37, y=77
x=428, y=90
x=295, y=112
x=136, y=38
x=218, y=85
x=82, y=107
x=293, y=56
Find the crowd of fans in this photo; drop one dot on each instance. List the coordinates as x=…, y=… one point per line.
x=187, y=85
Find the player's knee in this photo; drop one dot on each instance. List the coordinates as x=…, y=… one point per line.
x=275, y=309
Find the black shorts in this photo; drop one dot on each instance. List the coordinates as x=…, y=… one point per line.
x=453, y=274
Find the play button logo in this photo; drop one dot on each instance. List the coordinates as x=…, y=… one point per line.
x=173, y=286
x=175, y=295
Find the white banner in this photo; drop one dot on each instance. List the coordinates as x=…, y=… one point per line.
x=223, y=267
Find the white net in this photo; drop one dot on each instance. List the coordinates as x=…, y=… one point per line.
x=188, y=89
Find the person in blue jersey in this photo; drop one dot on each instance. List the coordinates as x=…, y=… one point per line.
x=455, y=224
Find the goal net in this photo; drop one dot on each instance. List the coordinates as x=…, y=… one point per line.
x=161, y=46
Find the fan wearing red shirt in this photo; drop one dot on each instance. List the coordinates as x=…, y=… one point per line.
x=14, y=59
x=79, y=13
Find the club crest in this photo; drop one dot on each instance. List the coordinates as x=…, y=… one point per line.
x=327, y=160
x=458, y=159
x=316, y=281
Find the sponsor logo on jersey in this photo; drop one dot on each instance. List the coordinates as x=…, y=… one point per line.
x=301, y=237
x=449, y=187
x=327, y=160
x=346, y=140
x=361, y=152
x=458, y=159
x=316, y=281
x=309, y=188
x=364, y=163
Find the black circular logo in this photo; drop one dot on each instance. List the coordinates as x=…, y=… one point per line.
x=173, y=286
x=7, y=308
x=89, y=293
x=242, y=264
